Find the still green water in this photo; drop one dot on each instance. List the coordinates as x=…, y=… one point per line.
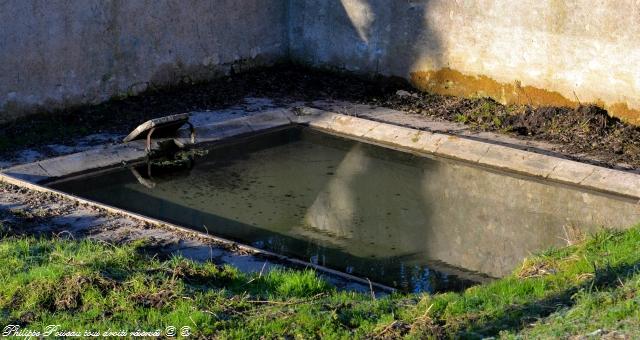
x=411, y=222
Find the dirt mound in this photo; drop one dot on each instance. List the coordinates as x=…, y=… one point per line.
x=586, y=120
x=585, y=130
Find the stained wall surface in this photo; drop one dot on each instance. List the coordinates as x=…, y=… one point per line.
x=558, y=52
x=61, y=53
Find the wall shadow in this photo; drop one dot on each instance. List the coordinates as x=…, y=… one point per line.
x=365, y=36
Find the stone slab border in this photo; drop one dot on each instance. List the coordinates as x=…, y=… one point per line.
x=504, y=158
x=225, y=242
x=472, y=151
x=29, y=175
x=480, y=153
x=107, y=156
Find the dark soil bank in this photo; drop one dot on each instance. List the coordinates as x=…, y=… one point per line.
x=586, y=130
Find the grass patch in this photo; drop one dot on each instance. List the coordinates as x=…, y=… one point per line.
x=589, y=287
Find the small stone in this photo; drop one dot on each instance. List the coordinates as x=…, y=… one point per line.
x=403, y=93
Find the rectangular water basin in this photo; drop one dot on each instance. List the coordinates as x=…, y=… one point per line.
x=409, y=221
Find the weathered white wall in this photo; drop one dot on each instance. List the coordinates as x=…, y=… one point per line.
x=56, y=53
x=557, y=52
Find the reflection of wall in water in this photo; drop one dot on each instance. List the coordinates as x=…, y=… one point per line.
x=373, y=205
x=369, y=202
x=457, y=214
x=498, y=219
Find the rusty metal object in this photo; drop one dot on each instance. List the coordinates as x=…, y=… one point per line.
x=192, y=133
x=162, y=127
x=149, y=183
x=148, y=145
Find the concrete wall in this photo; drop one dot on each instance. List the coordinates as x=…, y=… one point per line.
x=558, y=52
x=57, y=53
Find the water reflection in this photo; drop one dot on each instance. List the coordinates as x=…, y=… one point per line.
x=413, y=222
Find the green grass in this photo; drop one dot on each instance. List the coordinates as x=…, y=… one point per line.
x=82, y=285
x=488, y=114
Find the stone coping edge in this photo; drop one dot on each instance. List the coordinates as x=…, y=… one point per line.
x=472, y=151
x=228, y=243
x=106, y=156
x=481, y=153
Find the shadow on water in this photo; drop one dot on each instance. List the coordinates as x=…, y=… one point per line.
x=379, y=269
x=413, y=222
x=310, y=200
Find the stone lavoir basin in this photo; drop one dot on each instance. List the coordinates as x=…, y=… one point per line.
x=410, y=220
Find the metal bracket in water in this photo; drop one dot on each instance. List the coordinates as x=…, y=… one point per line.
x=149, y=183
x=163, y=127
